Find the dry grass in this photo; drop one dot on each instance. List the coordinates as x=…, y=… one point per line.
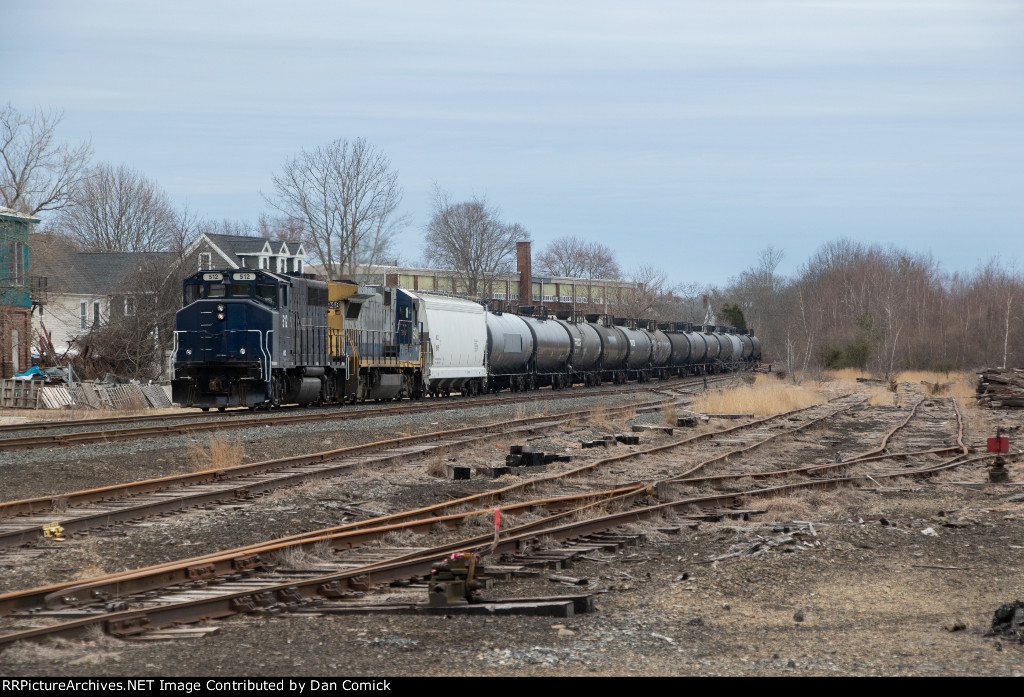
x=402, y=538
x=786, y=507
x=964, y=388
x=302, y=558
x=92, y=561
x=435, y=466
x=85, y=414
x=222, y=452
x=95, y=648
x=882, y=397
x=765, y=397
x=669, y=415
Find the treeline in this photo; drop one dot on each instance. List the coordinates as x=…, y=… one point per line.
x=882, y=309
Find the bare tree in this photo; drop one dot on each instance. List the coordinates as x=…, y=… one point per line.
x=186, y=228
x=470, y=238
x=39, y=172
x=279, y=227
x=138, y=326
x=646, y=295
x=120, y=210
x=346, y=196
x=572, y=257
x=226, y=226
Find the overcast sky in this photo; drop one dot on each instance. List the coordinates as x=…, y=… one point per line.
x=686, y=134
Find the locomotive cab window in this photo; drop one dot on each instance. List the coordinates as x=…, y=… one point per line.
x=192, y=293
x=215, y=290
x=266, y=292
x=240, y=290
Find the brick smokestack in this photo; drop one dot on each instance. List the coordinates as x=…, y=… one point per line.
x=523, y=258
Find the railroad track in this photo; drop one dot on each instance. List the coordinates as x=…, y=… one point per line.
x=23, y=521
x=253, y=595
x=57, y=433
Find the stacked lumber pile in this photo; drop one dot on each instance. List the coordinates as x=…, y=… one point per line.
x=1001, y=387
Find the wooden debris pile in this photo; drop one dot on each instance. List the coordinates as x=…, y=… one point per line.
x=1001, y=387
x=33, y=394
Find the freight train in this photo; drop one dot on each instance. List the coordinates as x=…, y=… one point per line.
x=253, y=338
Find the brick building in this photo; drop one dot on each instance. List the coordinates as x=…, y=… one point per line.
x=15, y=292
x=506, y=290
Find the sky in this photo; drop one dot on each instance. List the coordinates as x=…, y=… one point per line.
x=688, y=135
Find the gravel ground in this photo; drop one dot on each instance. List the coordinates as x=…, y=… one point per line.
x=913, y=595
x=88, y=466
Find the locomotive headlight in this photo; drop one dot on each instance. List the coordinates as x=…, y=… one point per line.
x=241, y=351
x=220, y=315
x=220, y=308
x=188, y=352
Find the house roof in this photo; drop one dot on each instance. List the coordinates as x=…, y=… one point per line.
x=235, y=246
x=11, y=214
x=91, y=273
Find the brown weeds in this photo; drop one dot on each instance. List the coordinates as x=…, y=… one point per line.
x=765, y=397
x=222, y=452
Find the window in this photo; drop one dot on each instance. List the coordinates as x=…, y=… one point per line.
x=17, y=263
x=83, y=315
x=263, y=263
x=205, y=261
x=298, y=265
x=266, y=292
x=240, y=290
x=215, y=290
x=95, y=313
x=129, y=307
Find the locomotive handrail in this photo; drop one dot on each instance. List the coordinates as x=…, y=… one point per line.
x=267, y=354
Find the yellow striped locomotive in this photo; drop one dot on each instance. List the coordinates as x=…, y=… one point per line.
x=253, y=338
